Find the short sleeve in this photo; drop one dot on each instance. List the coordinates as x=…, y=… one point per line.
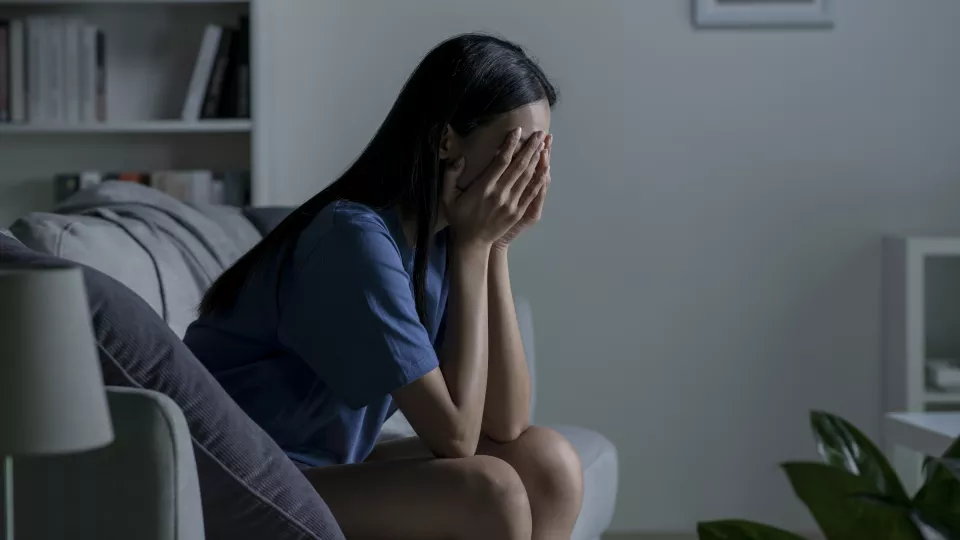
x=351, y=315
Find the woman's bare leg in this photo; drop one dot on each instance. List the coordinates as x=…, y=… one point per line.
x=473, y=498
x=550, y=469
x=546, y=463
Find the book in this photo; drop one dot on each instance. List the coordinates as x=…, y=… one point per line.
x=200, y=188
x=90, y=179
x=4, y=71
x=218, y=192
x=191, y=187
x=72, y=32
x=65, y=185
x=218, y=79
x=196, y=187
x=242, y=76
x=236, y=187
x=37, y=69
x=55, y=58
x=18, y=71
x=173, y=183
x=236, y=95
x=101, y=77
x=202, y=72
x=136, y=177
x=88, y=73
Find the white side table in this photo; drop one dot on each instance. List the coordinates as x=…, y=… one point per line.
x=922, y=433
x=929, y=433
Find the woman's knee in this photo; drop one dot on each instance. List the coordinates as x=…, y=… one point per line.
x=499, y=494
x=552, y=462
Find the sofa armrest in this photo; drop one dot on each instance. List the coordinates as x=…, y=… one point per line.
x=143, y=485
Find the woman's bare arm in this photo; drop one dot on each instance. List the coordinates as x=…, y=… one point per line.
x=445, y=407
x=507, y=413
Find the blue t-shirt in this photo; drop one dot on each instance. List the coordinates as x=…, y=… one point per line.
x=317, y=341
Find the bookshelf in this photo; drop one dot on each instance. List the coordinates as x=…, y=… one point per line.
x=144, y=127
x=151, y=49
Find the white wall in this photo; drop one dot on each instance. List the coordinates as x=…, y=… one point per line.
x=708, y=267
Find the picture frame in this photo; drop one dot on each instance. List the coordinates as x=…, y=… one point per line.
x=763, y=13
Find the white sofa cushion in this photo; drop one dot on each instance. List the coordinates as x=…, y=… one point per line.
x=157, y=252
x=103, y=245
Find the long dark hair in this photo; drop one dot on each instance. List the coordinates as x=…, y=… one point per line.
x=464, y=82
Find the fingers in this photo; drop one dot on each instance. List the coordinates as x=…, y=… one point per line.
x=543, y=164
x=541, y=198
x=501, y=162
x=523, y=184
x=535, y=193
x=450, y=175
x=528, y=155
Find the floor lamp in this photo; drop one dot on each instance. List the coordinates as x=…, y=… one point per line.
x=52, y=398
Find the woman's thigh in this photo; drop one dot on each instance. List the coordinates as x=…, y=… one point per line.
x=477, y=497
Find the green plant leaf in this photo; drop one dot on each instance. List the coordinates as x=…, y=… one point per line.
x=928, y=467
x=736, y=529
x=935, y=526
x=930, y=522
x=842, y=445
x=837, y=499
x=937, y=504
x=950, y=465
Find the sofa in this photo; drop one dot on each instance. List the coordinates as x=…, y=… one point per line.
x=144, y=484
x=134, y=238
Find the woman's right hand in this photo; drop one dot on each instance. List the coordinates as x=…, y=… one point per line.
x=495, y=201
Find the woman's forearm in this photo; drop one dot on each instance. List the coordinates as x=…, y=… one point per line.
x=463, y=358
x=507, y=412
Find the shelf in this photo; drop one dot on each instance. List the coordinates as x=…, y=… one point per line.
x=75, y=2
x=928, y=246
x=146, y=127
x=941, y=397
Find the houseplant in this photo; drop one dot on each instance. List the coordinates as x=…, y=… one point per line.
x=855, y=494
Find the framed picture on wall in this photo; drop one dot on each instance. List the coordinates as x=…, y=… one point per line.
x=763, y=13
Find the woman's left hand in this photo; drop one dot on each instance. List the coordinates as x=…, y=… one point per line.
x=537, y=189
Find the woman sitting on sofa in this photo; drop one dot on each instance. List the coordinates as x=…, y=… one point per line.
x=390, y=288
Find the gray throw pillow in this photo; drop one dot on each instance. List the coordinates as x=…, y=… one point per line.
x=250, y=489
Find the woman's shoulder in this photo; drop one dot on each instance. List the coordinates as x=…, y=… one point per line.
x=342, y=224
x=343, y=216
x=349, y=215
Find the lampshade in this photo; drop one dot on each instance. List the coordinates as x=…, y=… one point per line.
x=52, y=398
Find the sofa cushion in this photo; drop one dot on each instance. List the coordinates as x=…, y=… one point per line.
x=600, y=472
x=164, y=250
x=99, y=243
x=250, y=489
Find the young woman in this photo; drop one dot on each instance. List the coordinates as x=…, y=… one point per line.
x=390, y=288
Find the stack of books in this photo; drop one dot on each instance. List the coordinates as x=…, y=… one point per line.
x=192, y=187
x=52, y=70
x=220, y=85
